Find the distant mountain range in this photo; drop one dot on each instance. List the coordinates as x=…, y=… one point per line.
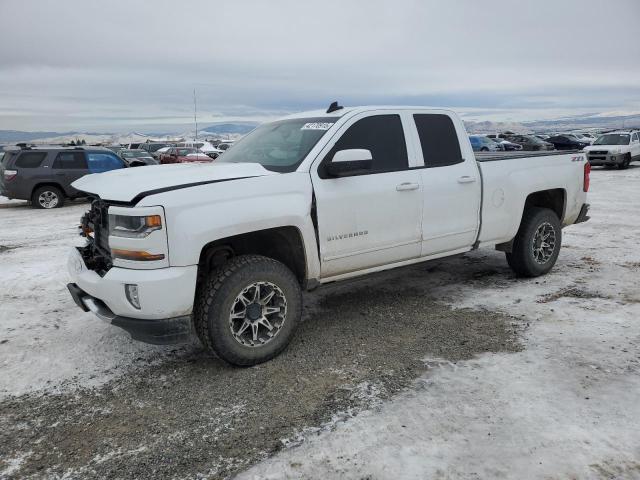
x=595, y=121
x=232, y=130
x=238, y=128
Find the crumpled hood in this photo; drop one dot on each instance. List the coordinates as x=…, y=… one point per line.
x=127, y=184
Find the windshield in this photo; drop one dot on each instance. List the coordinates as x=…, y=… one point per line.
x=279, y=146
x=613, y=139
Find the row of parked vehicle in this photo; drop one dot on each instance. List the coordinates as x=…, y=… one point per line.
x=533, y=143
x=44, y=175
x=612, y=149
x=154, y=153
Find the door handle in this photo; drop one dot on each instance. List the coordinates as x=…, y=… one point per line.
x=407, y=186
x=466, y=179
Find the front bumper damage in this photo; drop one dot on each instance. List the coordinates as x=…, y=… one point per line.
x=156, y=331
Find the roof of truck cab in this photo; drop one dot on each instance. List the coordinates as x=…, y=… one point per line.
x=365, y=108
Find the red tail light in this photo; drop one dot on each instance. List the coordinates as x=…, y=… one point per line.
x=10, y=174
x=587, y=176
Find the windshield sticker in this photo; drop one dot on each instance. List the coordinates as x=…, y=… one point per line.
x=317, y=126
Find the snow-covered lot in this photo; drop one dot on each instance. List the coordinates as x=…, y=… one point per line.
x=79, y=398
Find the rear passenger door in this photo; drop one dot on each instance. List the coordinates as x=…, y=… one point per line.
x=371, y=219
x=451, y=183
x=67, y=167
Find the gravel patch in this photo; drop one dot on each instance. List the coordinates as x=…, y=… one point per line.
x=359, y=344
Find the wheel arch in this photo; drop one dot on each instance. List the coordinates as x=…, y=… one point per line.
x=285, y=244
x=554, y=199
x=48, y=184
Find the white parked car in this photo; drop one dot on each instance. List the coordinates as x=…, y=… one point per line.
x=225, y=249
x=615, y=149
x=201, y=145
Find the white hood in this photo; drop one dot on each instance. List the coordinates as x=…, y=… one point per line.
x=125, y=184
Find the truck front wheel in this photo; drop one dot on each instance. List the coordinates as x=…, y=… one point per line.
x=247, y=311
x=537, y=243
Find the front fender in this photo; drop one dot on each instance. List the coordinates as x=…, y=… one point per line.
x=200, y=215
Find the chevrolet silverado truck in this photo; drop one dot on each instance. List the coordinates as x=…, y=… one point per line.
x=615, y=149
x=225, y=250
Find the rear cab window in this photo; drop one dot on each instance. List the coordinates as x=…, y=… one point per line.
x=439, y=139
x=30, y=159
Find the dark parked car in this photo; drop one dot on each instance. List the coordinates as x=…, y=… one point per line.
x=506, y=144
x=561, y=142
x=153, y=147
x=531, y=142
x=137, y=158
x=480, y=143
x=44, y=175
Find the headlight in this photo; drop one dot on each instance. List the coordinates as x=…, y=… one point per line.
x=134, y=226
x=615, y=150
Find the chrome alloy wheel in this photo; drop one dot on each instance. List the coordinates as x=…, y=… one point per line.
x=257, y=314
x=48, y=199
x=544, y=243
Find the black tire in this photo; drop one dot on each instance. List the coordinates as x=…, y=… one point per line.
x=484, y=149
x=625, y=163
x=522, y=258
x=53, y=194
x=218, y=297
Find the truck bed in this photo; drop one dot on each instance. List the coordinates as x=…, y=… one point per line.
x=495, y=156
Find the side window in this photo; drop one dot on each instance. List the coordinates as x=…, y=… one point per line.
x=103, y=162
x=439, y=140
x=70, y=160
x=383, y=136
x=30, y=159
x=635, y=137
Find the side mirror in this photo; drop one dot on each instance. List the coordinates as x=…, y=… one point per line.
x=354, y=161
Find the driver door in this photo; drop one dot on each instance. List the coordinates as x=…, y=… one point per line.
x=373, y=218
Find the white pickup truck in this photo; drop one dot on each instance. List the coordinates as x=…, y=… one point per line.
x=226, y=249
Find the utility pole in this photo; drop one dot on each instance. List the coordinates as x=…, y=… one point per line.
x=195, y=112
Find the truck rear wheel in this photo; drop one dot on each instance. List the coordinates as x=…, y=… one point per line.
x=248, y=310
x=537, y=243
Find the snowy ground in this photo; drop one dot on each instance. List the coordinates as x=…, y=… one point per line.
x=45, y=340
x=566, y=406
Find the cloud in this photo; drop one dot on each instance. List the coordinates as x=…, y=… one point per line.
x=90, y=64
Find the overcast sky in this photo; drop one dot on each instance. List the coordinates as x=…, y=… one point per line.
x=124, y=64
